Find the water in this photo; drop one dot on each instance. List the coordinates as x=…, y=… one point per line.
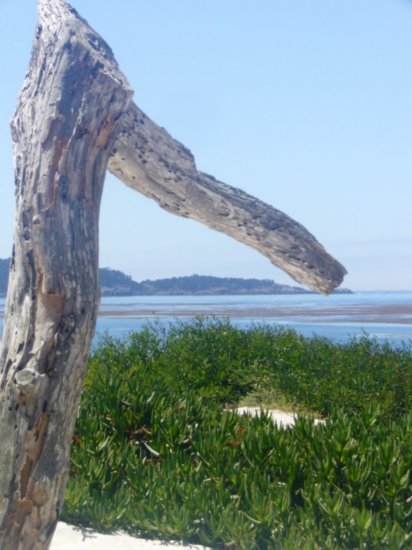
x=383, y=315
x=339, y=316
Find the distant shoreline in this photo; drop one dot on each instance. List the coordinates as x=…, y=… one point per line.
x=362, y=313
x=359, y=313
x=116, y=283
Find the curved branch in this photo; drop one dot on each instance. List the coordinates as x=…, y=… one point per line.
x=146, y=158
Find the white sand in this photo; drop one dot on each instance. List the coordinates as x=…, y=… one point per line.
x=280, y=418
x=68, y=537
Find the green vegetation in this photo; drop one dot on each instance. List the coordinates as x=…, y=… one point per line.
x=157, y=452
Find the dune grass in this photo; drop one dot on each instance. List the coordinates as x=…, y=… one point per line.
x=157, y=453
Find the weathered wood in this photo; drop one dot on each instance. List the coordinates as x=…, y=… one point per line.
x=66, y=125
x=148, y=159
x=63, y=131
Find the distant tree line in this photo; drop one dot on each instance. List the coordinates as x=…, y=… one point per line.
x=117, y=283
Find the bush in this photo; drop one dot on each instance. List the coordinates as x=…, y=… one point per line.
x=156, y=453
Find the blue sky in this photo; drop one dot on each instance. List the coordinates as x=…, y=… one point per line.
x=306, y=105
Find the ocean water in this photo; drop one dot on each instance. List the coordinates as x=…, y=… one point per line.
x=339, y=316
x=387, y=316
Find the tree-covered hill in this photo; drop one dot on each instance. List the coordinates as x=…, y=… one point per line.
x=117, y=283
x=203, y=284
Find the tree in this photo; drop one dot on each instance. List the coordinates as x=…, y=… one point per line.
x=66, y=120
x=74, y=118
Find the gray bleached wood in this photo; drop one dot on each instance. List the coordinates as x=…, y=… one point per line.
x=63, y=131
x=149, y=160
x=70, y=109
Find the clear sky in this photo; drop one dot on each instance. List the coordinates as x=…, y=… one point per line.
x=306, y=105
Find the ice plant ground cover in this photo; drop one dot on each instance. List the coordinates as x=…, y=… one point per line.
x=157, y=452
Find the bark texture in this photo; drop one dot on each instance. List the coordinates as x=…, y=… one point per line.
x=148, y=159
x=72, y=106
x=63, y=131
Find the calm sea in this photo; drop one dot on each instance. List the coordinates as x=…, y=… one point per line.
x=383, y=315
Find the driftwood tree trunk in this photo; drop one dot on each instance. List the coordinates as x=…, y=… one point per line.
x=73, y=113
x=149, y=160
x=63, y=131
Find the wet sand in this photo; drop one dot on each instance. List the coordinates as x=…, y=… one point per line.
x=344, y=313
x=356, y=313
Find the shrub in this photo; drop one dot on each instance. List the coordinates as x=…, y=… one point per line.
x=156, y=453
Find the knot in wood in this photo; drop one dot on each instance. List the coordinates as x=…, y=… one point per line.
x=26, y=380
